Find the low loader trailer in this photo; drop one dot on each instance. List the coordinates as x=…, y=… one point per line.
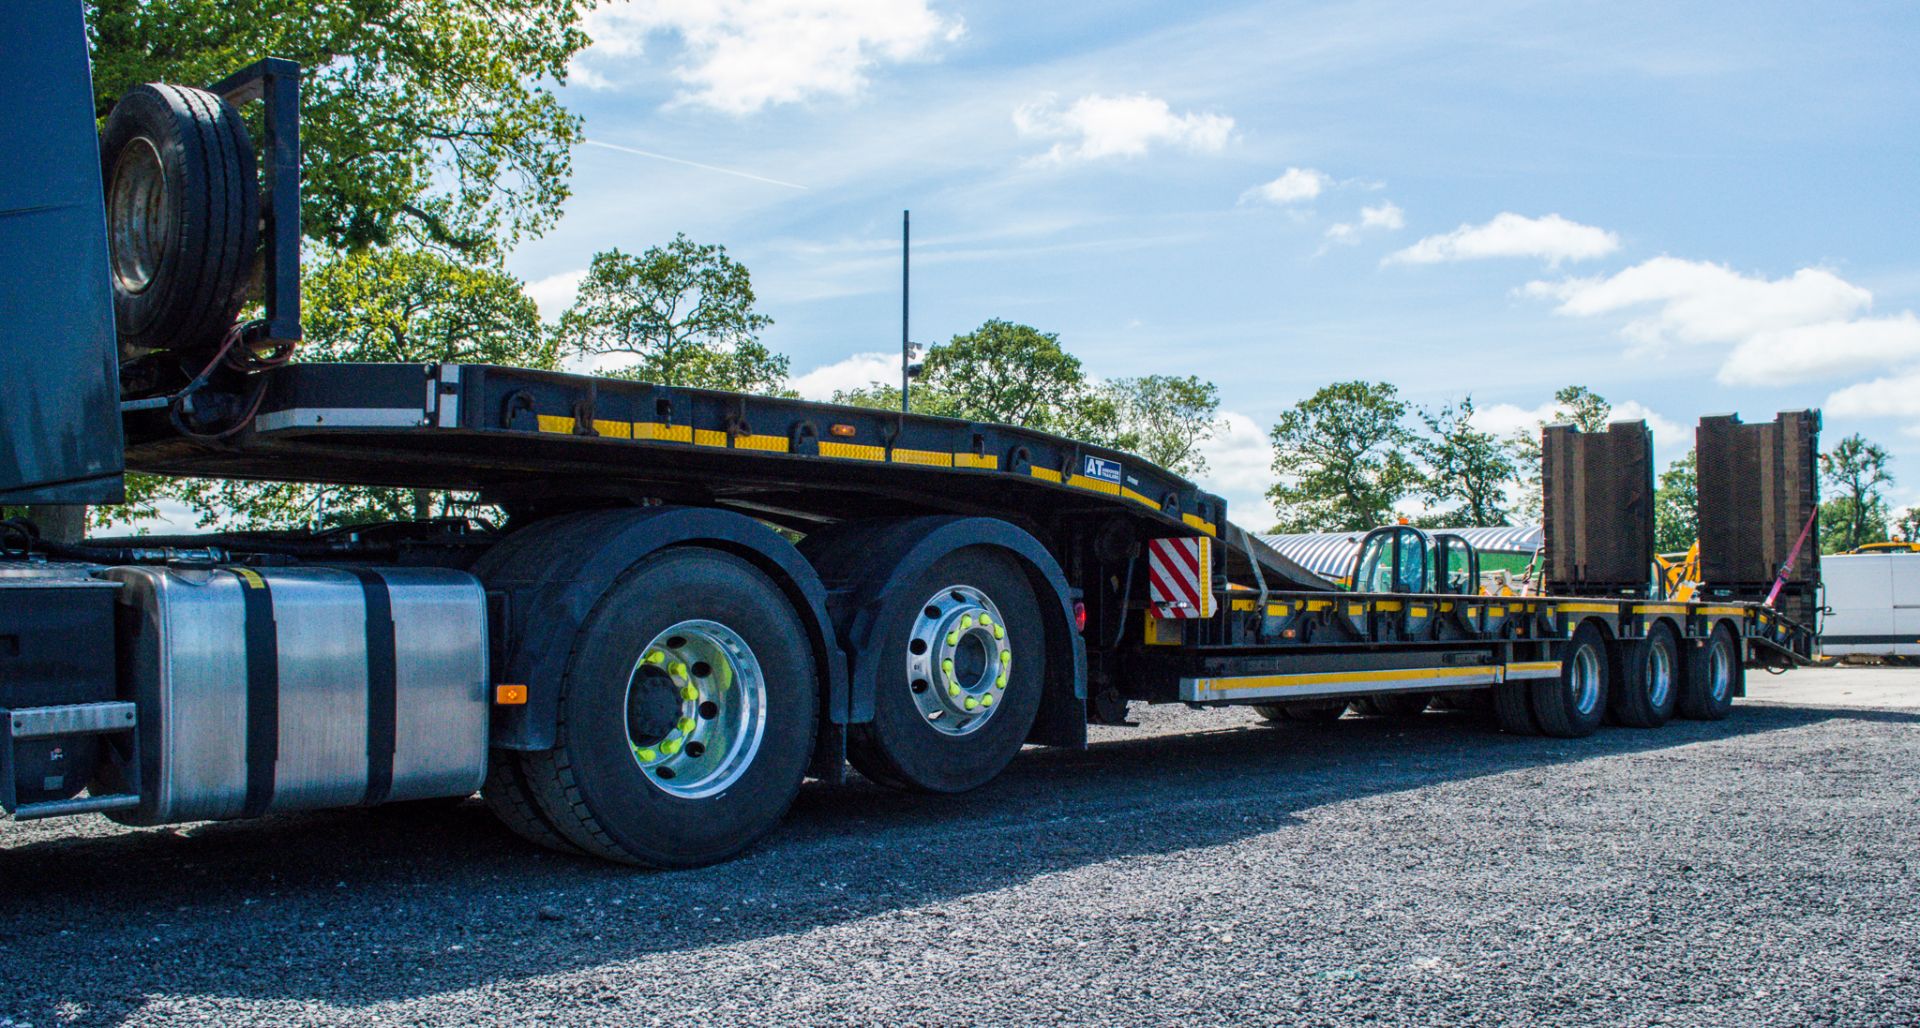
x=694, y=599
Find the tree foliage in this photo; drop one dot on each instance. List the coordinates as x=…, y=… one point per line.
x=1676, y=519
x=1341, y=455
x=1009, y=374
x=1857, y=470
x=1165, y=418
x=430, y=120
x=1462, y=465
x=682, y=312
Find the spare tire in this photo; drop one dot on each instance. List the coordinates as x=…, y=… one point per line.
x=183, y=212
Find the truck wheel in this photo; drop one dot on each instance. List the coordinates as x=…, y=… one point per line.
x=957, y=702
x=1649, y=688
x=1572, y=705
x=512, y=802
x=686, y=715
x=1395, y=704
x=182, y=201
x=1713, y=675
x=1317, y=712
x=1513, y=708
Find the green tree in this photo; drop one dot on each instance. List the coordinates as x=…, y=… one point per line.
x=1908, y=525
x=1006, y=373
x=1341, y=455
x=433, y=120
x=1574, y=405
x=1165, y=418
x=1676, y=518
x=683, y=312
x=1464, y=466
x=1857, y=471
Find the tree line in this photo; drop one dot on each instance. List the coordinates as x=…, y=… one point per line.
x=434, y=144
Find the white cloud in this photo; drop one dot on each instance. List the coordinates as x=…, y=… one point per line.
x=1830, y=348
x=1385, y=215
x=1551, y=238
x=1098, y=126
x=1778, y=331
x=555, y=293
x=1240, y=468
x=744, y=55
x=1890, y=396
x=853, y=372
x=1295, y=185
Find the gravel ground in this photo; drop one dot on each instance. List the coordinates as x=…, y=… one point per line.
x=1202, y=867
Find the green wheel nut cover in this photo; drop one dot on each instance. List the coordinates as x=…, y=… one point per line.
x=671, y=746
x=678, y=670
x=686, y=726
x=972, y=703
x=1006, y=656
x=1001, y=682
x=999, y=633
x=966, y=623
x=655, y=657
x=953, y=638
x=689, y=693
x=986, y=701
x=646, y=754
x=953, y=688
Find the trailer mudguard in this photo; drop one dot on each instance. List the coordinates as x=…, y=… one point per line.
x=544, y=580
x=864, y=564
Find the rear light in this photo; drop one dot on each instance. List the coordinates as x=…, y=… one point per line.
x=1079, y=616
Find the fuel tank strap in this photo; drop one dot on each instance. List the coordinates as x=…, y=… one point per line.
x=382, y=687
x=263, y=689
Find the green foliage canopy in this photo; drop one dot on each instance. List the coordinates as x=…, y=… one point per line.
x=430, y=120
x=1341, y=455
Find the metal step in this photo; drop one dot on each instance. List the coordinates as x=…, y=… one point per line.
x=73, y=719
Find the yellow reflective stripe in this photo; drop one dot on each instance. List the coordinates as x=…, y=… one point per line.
x=1196, y=521
x=990, y=462
x=1534, y=665
x=931, y=458
x=250, y=577
x=852, y=451
x=662, y=433
x=1137, y=497
x=613, y=429
x=1497, y=612
x=1417, y=611
x=1588, y=608
x=1386, y=605
x=1347, y=677
x=769, y=443
x=1095, y=484
x=709, y=437
x=1735, y=611
x=1660, y=608
x=555, y=423
x=1044, y=474
x=1319, y=604
x=1355, y=610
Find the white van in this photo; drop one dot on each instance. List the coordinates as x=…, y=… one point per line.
x=1873, y=601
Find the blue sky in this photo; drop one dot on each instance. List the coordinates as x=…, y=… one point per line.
x=1692, y=208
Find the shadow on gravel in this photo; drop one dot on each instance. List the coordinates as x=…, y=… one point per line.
x=355, y=908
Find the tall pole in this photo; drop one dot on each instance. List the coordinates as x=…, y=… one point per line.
x=906, y=348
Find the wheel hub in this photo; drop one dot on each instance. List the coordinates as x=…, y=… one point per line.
x=696, y=708
x=139, y=225
x=959, y=660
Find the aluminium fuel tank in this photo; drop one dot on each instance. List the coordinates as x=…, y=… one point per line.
x=278, y=689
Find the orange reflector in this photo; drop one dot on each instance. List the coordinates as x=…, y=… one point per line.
x=510, y=695
x=842, y=430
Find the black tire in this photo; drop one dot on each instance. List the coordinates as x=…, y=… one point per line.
x=1318, y=712
x=1513, y=708
x=1713, y=675
x=181, y=160
x=1649, y=685
x=511, y=800
x=1302, y=712
x=900, y=747
x=593, y=788
x=1396, y=705
x=1572, y=705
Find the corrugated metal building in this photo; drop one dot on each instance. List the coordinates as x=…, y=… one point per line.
x=1330, y=554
